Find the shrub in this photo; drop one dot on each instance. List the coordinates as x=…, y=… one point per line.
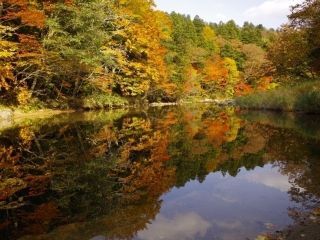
x=304, y=97
x=102, y=100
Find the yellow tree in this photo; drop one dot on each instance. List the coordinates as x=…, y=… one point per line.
x=233, y=76
x=27, y=19
x=142, y=70
x=7, y=53
x=210, y=39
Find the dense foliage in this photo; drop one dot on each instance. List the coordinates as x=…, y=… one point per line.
x=60, y=53
x=295, y=53
x=296, y=50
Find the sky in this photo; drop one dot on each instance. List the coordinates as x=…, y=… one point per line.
x=270, y=13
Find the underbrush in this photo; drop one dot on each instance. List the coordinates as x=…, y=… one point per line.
x=100, y=101
x=304, y=97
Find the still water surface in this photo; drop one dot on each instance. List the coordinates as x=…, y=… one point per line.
x=161, y=173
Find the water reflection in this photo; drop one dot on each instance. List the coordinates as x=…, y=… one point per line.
x=188, y=225
x=270, y=177
x=169, y=173
x=236, y=208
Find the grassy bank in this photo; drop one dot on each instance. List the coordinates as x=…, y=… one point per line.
x=300, y=98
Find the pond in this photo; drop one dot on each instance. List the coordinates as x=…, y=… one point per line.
x=196, y=172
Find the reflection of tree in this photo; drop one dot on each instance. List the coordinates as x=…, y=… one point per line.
x=32, y=159
x=120, y=223
x=114, y=171
x=300, y=161
x=142, y=161
x=86, y=169
x=248, y=161
x=217, y=142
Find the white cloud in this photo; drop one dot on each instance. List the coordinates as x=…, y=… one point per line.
x=271, y=13
x=184, y=226
x=270, y=178
x=270, y=10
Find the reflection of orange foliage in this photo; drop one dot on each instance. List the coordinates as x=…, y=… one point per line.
x=150, y=178
x=160, y=152
x=45, y=212
x=102, y=141
x=169, y=120
x=188, y=116
x=216, y=130
x=192, y=126
x=8, y=157
x=211, y=165
x=39, y=220
x=125, y=222
x=26, y=136
x=199, y=147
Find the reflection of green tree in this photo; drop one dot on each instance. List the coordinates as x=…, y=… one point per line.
x=249, y=161
x=190, y=154
x=189, y=165
x=240, y=140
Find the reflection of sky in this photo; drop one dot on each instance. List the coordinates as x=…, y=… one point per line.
x=270, y=178
x=182, y=226
x=224, y=207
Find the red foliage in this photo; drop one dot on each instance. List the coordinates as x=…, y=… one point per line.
x=242, y=89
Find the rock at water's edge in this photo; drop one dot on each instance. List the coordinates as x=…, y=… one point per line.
x=6, y=115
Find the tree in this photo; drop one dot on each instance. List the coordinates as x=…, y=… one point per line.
x=257, y=65
x=229, y=30
x=7, y=53
x=27, y=21
x=289, y=53
x=306, y=17
x=141, y=71
x=296, y=50
x=233, y=77
x=74, y=45
x=199, y=26
x=221, y=76
x=229, y=51
x=210, y=40
x=182, y=51
x=251, y=34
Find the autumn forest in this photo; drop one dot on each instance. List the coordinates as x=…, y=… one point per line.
x=102, y=53
x=122, y=121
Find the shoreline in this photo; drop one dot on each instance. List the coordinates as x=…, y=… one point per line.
x=15, y=115
x=45, y=113
x=9, y=117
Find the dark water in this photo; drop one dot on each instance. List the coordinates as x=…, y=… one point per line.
x=163, y=173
